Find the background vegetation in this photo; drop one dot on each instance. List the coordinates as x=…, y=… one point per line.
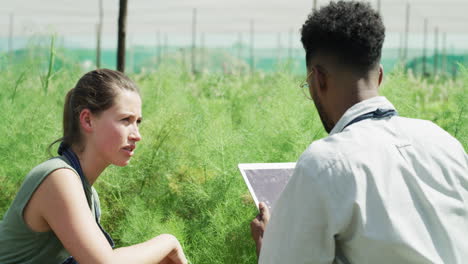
x=184, y=178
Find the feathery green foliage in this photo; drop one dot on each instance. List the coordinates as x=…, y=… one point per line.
x=184, y=178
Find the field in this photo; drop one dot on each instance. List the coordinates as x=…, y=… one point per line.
x=184, y=178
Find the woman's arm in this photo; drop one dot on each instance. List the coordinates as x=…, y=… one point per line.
x=61, y=202
x=165, y=246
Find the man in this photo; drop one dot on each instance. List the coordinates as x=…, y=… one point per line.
x=380, y=188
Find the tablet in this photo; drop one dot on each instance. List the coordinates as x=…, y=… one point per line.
x=266, y=181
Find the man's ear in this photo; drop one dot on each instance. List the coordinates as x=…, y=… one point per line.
x=381, y=73
x=321, y=79
x=86, y=120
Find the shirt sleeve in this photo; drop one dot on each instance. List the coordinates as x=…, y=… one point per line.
x=305, y=221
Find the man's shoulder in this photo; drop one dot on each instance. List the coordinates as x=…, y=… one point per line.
x=367, y=139
x=333, y=147
x=371, y=137
x=322, y=154
x=416, y=123
x=425, y=132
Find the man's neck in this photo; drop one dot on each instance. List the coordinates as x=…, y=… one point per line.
x=360, y=91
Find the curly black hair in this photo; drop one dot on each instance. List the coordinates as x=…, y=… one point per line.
x=351, y=31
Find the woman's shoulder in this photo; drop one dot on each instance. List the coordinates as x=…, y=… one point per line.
x=31, y=183
x=38, y=174
x=51, y=165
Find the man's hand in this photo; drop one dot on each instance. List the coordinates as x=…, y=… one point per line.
x=258, y=225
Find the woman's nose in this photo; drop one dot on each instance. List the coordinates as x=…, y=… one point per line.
x=135, y=134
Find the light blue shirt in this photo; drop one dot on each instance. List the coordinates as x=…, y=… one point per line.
x=392, y=190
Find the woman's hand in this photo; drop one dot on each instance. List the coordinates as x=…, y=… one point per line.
x=176, y=256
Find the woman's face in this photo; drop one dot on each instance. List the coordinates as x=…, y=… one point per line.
x=115, y=130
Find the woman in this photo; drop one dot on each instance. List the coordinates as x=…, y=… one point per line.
x=50, y=218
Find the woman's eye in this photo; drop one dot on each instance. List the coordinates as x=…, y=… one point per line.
x=127, y=119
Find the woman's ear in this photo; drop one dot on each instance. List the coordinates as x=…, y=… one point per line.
x=86, y=120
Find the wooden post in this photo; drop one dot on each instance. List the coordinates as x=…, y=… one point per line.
x=401, y=47
x=202, y=52
x=239, y=50
x=454, y=71
x=121, y=35
x=252, y=55
x=315, y=5
x=166, y=44
x=158, y=48
x=194, y=38
x=379, y=7
x=444, y=53
x=436, y=43
x=405, y=51
x=98, y=44
x=240, y=53
x=424, y=62
x=10, y=35
x=290, y=46
x=99, y=35
x=454, y=66
x=184, y=59
x=279, y=49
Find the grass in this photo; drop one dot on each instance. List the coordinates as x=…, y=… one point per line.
x=184, y=179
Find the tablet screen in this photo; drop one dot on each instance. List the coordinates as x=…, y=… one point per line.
x=266, y=181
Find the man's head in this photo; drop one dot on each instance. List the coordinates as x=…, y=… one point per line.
x=343, y=43
x=351, y=31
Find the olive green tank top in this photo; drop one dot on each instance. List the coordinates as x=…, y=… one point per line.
x=18, y=243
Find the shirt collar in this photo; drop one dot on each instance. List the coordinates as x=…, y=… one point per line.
x=360, y=108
